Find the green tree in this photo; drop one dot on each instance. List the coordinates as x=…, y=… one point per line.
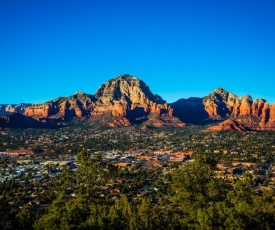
x=54, y=215
x=194, y=188
x=27, y=217
x=91, y=173
x=7, y=219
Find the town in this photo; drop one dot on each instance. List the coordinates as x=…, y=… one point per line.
x=138, y=162
x=41, y=154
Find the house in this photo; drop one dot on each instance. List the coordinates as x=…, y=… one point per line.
x=143, y=157
x=177, y=158
x=20, y=153
x=189, y=154
x=122, y=164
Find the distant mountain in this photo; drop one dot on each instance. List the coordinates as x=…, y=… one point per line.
x=126, y=101
x=6, y=109
x=221, y=104
x=122, y=101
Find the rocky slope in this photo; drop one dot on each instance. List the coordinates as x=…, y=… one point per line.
x=227, y=125
x=221, y=105
x=122, y=101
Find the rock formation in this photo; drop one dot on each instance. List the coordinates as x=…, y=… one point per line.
x=122, y=101
x=265, y=115
x=63, y=108
x=270, y=124
x=221, y=105
x=216, y=104
x=227, y=125
x=126, y=100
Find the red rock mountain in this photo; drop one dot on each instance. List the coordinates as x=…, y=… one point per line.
x=126, y=100
x=63, y=108
x=221, y=105
x=122, y=101
x=227, y=125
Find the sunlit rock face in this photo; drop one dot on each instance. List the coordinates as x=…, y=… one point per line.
x=227, y=125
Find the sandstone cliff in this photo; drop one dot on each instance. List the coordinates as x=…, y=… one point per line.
x=64, y=108
x=268, y=119
x=223, y=104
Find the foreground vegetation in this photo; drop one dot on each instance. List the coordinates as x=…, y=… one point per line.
x=188, y=197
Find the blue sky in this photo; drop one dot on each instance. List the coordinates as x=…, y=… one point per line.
x=179, y=48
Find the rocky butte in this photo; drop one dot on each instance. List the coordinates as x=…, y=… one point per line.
x=227, y=125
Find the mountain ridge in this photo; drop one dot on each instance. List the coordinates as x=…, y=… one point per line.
x=221, y=105
x=126, y=100
x=121, y=101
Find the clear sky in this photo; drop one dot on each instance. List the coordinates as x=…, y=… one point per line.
x=52, y=48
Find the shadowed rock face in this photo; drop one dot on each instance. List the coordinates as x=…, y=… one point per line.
x=122, y=101
x=190, y=110
x=17, y=120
